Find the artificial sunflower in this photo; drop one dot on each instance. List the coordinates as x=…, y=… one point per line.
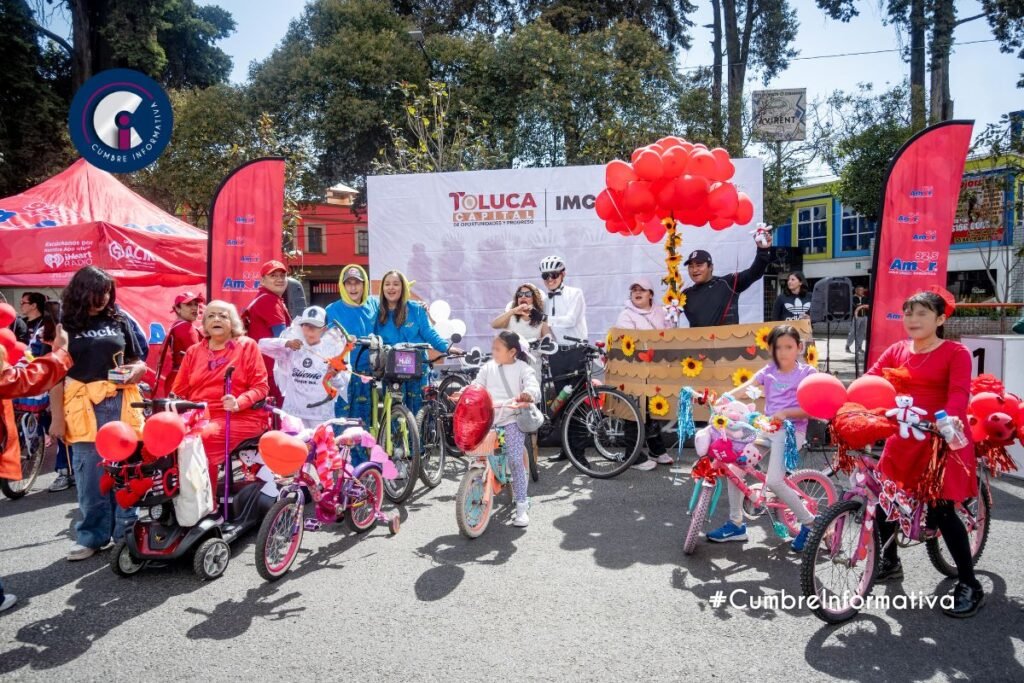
x=608, y=341
x=761, y=337
x=741, y=376
x=682, y=300
x=719, y=422
x=658, y=405
x=628, y=346
x=812, y=355
x=691, y=366
x=669, y=298
x=673, y=261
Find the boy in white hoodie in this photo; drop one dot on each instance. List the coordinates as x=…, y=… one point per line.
x=301, y=356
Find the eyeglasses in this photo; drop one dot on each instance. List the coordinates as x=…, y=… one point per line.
x=551, y=276
x=524, y=292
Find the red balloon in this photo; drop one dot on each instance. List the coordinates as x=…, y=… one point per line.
x=984, y=404
x=282, y=453
x=7, y=337
x=744, y=209
x=724, y=168
x=694, y=217
x=638, y=197
x=163, y=433
x=664, y=195
x=648, y=165
x=873, y=392
x=702, y=163
x=978, y=433
x=1011, y=406
x=723, y=200
x=1000, y=429
x=654, y=231
x=674, y=161
x=618, y=174
x=636, y=153
x=690, y=190
x=821, y=395
x=672, y=141
x=474, y=415
x=7, y=315
x=720, y=223
x=116, y=441
x=16, y=353
x=608, y=205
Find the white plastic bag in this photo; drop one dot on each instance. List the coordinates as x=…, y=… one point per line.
x=195, y=495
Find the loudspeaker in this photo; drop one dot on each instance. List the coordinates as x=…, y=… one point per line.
x=832, y=299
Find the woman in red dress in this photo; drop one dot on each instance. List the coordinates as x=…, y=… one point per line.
x=201, y=379
x=939, y=379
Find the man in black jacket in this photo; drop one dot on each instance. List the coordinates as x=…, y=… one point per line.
x=714, y=300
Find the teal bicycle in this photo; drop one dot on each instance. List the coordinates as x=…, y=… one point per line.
x=487, y=473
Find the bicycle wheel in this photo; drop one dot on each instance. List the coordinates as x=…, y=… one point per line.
x=531, y=456
x=448, y=386
x=33, y=450
x=839, y=562
x=976, y=521
x=362, y=513
x=405, y=452
x=598, y=419
x=279, y=538
x=698, y=517
x=432, y=446
x=473, y=503
x=820, y=492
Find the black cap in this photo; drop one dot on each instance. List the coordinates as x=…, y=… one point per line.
x=698, y=255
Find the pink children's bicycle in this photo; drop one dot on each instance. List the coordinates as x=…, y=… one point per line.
x=844, y=551
x=338, y=490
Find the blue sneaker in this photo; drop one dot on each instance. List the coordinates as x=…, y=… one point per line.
x=728, y=532
x=801, y=539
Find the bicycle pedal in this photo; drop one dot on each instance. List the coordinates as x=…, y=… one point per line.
x=312, y=524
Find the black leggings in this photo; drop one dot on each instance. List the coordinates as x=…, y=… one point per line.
x=942, y=516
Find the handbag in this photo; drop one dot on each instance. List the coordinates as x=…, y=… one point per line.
x=195, y=493
x=528, y=419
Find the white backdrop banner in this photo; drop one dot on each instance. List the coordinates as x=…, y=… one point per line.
x=471, y=238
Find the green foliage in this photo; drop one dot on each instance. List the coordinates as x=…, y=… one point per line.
x=188, y=40
x=1006, y=17
x=34, y=142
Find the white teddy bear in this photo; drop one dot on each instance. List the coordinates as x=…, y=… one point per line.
x=909, y=416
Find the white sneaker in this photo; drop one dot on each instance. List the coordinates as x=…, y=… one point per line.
x=80, y=552
x=8, y=601
x=646, y=465
x=521, y=518
x=665, y=459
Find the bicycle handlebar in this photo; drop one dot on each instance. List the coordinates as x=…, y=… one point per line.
x=177, y=404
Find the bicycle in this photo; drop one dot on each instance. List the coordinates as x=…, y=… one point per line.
x=487, y=473
x=814, y=488
x=595, y=415
x=33, y=449
x=335, y=488
x=434, y=419
x=843, y=552
x=391, y=422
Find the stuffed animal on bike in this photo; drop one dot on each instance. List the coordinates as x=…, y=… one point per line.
x=908, y=416
x=731, y=420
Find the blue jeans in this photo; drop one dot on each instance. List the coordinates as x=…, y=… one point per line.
x=102, y=517
x=63, y=461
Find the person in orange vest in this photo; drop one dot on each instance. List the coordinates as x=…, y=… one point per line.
x=180, y=337
x=266, y=316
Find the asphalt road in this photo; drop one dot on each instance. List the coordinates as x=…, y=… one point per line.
x=596, y=588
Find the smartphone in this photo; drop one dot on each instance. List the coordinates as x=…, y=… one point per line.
x=50, y=321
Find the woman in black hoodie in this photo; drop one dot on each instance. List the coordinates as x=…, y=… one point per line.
x=794, y=303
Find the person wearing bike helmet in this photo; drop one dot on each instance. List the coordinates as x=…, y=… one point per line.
x=567, y=317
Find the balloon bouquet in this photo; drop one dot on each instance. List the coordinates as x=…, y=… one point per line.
x=996, y=419
x=667, y=183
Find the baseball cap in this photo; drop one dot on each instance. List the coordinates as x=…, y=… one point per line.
x=186, y=297
x=699, y=256
x=643, y=282
x=353, y=272
x=314, y=315
x=272, y=267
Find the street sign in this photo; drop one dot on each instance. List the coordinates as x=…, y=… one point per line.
x=780, y=115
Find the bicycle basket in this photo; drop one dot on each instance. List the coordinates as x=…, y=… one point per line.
x=403, y=364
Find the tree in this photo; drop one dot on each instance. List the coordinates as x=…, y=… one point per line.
x=34, y=142
x=330, y=82
x=188, y=39
x=433, y=138
x=758, y=34
x=857, y=134
x=1006, y=17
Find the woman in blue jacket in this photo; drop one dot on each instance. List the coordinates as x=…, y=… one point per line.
x=402, y=320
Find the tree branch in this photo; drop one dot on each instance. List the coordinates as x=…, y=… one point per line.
x=967, y=19
x=55, y=38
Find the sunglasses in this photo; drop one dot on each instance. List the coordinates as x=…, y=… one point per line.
x=524, y=292
x=550, y=276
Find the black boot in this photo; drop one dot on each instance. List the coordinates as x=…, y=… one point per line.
x=891, y=570
x=967, y=600
x=559, y=457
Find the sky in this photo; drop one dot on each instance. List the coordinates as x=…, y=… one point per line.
x=982, y=79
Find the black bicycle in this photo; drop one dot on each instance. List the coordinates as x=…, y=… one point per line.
x=434, y=418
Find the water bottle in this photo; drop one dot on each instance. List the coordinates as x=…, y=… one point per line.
x=954, y=436
x=560, y=400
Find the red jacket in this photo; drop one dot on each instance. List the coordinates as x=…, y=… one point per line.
x=182, y=335
x=266, y=316
x=18, y=381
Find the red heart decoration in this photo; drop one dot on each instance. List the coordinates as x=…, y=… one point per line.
x=107, y=484
x=752, y=350
x=140, y=487
x=125, y=498
x=661, y=334
x=622, y=387
x=701, y=357
x=657, y=390
x=646, y=356
x=712, y=336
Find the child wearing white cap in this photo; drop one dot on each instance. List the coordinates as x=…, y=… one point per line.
x=301, y=356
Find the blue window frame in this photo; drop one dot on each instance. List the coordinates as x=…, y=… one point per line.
x=812, y=229
x=856, y=231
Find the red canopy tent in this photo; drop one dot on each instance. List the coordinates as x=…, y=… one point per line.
x=84, y=216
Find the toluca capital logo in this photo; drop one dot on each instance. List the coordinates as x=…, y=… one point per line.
x=120, y=120
x=506, y=208
x=574, y=202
